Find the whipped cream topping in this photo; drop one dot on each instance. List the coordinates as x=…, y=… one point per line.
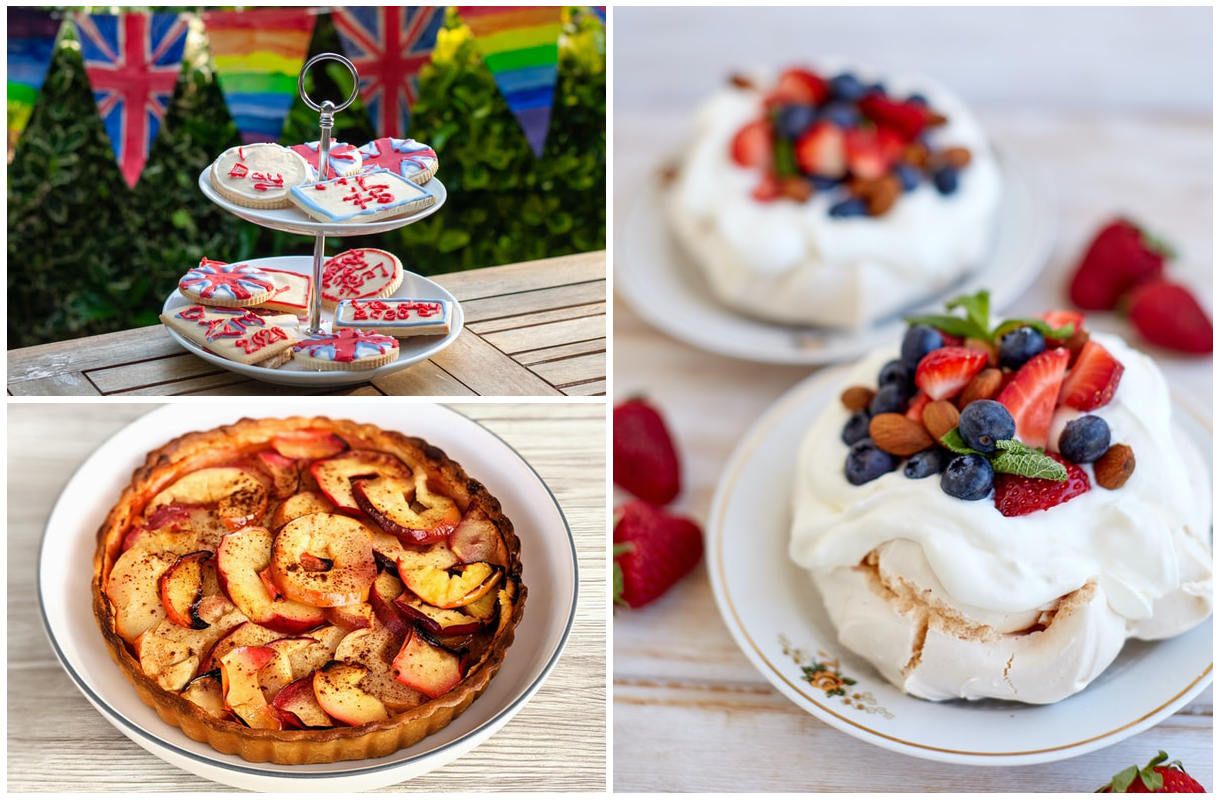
x=792, y=262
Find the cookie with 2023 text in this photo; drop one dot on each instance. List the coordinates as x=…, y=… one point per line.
x=366, y=197
x=237, y=334
x=258, y=175
x=344, y=159
x=215, y=283
x=345, y=349
x=399, y=317
x=412, y=160
x=364, y=273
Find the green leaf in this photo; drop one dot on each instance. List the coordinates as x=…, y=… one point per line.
x=977, y=307
x=1016, y=458
x=955, y=326
x=954, y=441
x=1037, y=324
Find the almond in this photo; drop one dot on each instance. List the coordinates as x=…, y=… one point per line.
x=1076, y=343
x=956, y=157
x=984, y=386
x=939, y=417
x=897, y=435
x=1114, y=466
x=856, y=398
x=993, y=352
x=884, y=195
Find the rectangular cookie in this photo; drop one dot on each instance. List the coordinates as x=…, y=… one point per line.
x=237, y=334
x=366, y=197
x=291, y=292
x=399, y=317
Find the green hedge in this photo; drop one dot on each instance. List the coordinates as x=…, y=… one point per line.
x=87, y=255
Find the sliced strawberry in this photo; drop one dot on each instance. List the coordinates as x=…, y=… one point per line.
x=903, y=117
x=800, y=86
x=870, y=152
x=1167, y=314
x=819, y=151
x=1093, y=378
x=1119, y=258
x=945, y=371
x=1016, y=494
x=1031, y=395
x=915, y=409
x=751, y=146
x=769, y=188
x=1061, y=318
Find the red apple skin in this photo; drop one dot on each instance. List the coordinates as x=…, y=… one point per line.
x=257, y=601
x=334, y=475
x=284, y=473
x=476, y=538
x=186, y=617
x=406, y=534
x=308, y=444
x=386, y=589
x=402, y=603
x=426, y=667
x=295, y=695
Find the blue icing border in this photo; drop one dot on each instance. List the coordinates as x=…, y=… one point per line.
x=302, y=194
x=375, y=324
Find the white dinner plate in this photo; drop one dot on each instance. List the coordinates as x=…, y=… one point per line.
x=666, y=287
x=549, y=573
x=410, y=350
x=775, y=614
x=294, y=220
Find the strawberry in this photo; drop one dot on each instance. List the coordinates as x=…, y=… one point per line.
x=905, y=118
x=768, y=188
x=800, y=86
x=915, y=409
x=1031, y=394
x=819, y=150
x=1154, y=778
x=1016, y=494
x=1119, y=257
x=1167, y=314
x=944, y=372
x=871, y=152
x=1061, y=318
x=1092, y=380
x=652, y=551
x=645, y=462
x=751, y=146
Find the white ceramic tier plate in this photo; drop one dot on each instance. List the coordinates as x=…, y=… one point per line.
x=773, y=611
x=667, y=288
x=549, y=573
x=410, y=350
x=294, y=220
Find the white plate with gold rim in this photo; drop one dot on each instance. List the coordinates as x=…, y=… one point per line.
x=775, y=614
x=549, y=571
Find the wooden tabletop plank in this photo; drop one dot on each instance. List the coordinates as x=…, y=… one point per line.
x=570, y=371
x=534, y=301
x=543, y=354
x=424, y=378
x=484, y=369
x=525, y=276
x=540, y=318
x=586, y=389
x=181, y=367
x=531, y=337
x=72, y=383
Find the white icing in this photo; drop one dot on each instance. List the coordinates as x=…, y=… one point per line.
x=334, y=198
x=393, y=313
x=274, y=168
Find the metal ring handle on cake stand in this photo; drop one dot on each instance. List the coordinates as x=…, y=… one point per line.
x=326, y=121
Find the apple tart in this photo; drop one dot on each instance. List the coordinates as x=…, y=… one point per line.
x=306, y=590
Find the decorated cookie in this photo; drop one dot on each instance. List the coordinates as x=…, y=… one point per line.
x=215, y=283
x=407, y=157
x=237, y=334
x=291, y=292
x=366, y=197
x=365, y=273
x=345, y=350
x=258, y=175
x=344, y=159
x=399, y=317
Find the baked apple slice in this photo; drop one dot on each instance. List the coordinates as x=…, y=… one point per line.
x=357, y=615
x=438, y=620
x=386, y=589
x=134, y=589
x=476, y=538
x=437, y=555
x=308, y=444
x=247, y=634
x=425, y=666
x=451, y=588
x=335, y=687
x=170, y=654
x=301, y=504
x=284, y=473
x=205, y=691
x=238, y=496
x=241, y=556
x=335, y=475
x=375, y=648
x=298, y=705
x=182, y=589
x=484, y=609
x=407, y=508
x=279, y=672
x=243, y=696
x=324, y=560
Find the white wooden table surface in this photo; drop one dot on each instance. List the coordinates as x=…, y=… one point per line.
x=58, y=743
x=1079, y=92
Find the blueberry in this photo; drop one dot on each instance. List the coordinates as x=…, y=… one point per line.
x=967, y=477
x=1020, y=345
x=945, y=180
x=824, y=184
x=892, y=397
x=1084, y=439
x=918, y=342
x=875, y=88
x=983, y=423
x=856, y=428
x=909, y=174
x=851, y=207
x=918, y=99
x=897, y=371
x=846, y=87
x=841, y=113
x=926, y=462
x=795, y=120
x=866, y=461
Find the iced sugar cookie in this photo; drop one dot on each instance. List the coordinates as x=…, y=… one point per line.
x=237, y=334
x=258, y=175
x=366, y=197
x=346, y=350
x=411, y=159
x=215, y=283
x=344, y=159
x=291, y=292
x=364, y=273
x=399, y=317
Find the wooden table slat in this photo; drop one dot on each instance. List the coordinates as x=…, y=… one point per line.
x=531, y=337
x=532, y=358
x=484, y=309
x=484, y=369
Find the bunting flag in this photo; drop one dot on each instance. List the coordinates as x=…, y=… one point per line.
x=389, y=45
x=31, y=42
x=132, y=61
x=600, y=12
x=521, y=47
x=258, y=55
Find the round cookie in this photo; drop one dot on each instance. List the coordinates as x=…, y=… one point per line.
x=411, y=159
x=258, y=175
x=346, y=349
x=215, y=283
x=364, y=273
x=344, y=159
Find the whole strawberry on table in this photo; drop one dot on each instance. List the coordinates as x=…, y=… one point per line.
x=1156, y=777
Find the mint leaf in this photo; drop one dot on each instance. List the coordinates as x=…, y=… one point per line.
x=1037, y=324
x=978, y=309
x=1019, y=459
x=955, y=326
x=954, y=441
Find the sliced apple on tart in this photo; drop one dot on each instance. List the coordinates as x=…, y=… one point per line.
x=298, y=705
x=308, y=444
x=324, y=560
x=301, y=504
x=182, y=587
x=386, y=589
x=438, y=620
x=339, y=695
x=335, y=475
x=457, y=586
x=243, y=695
x=375, y=648
x=406, y=508
x=240, y=558
x=237, y=495
x=171, y=654
x=205, y=691
x=426, y=666
x=477, y=538
x=283, y=472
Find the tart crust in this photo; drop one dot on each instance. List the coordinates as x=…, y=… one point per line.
x=222, y=445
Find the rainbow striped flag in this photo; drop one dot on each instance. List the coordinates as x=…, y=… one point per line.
x=520, y=45
x=31, y=43
x=258, y=55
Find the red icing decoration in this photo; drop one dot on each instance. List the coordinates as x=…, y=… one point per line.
x=378, y=192
x=261, y=339
x=387, y=312
x=346, y=274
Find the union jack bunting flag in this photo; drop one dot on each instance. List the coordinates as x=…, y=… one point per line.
x=389, y=46
x=133, y=61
